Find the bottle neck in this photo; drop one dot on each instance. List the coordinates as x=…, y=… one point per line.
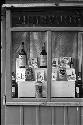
x=22, y=50
x=22, y=47
x=43, y=47
x=71, y=63
x=13, y=76
x=13, y=79
x=79, y=76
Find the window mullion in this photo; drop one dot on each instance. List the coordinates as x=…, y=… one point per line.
x=49, y=69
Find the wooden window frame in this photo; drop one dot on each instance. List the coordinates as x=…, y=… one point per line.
x=35, y=101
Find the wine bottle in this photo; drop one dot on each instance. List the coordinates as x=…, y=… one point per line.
x=22, y=57
x=79, y=77
x=71, y=63
x=77, y=95
x=43, y=57
x=14, y=86
x=78, y=85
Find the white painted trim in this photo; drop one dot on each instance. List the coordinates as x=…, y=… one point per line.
x=47, y=103
x=30, y=5
x=44, y=4
x=80, y=29
x=71, y=4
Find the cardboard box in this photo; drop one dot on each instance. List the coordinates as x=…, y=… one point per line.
x=40, y=74
x=54, y=73
x=20, y=72
x=71, y=76
x=27, y=89
x=54, y=62
x=63, y=89
x=65, y=62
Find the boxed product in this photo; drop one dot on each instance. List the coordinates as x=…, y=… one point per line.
x=64, y=62
x=20, y=72
x=54, y=73
x=63, y=89
x=54, y=62
x=39, y=74
x=62, y=74
x=26, y=89
x=71, y=76
x=33, y=62
x=29, y=75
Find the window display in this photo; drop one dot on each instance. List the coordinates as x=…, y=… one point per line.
x=64, y=65
x=44, y=53
x=30, y=58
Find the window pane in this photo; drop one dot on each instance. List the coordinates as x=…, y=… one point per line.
x=64, y=64
x=29, y=63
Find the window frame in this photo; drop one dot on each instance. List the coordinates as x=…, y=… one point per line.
x=9, y=31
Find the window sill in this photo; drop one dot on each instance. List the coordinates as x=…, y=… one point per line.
x=44, y=102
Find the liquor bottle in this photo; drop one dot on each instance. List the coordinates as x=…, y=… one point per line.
x=14, y=86
x=79, y=77
x=22, y=57
x=71, y=63
x=43, y=57
x=78, y=85
x=77, y=91
x=29, y=75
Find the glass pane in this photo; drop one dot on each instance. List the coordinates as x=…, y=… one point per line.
x=64, y=64
x=29, y=64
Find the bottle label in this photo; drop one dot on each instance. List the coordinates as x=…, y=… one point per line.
x=43, y=60
x=22, y=60
x=77, y=89
x=13, y=89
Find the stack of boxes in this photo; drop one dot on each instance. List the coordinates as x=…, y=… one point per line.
x=63, y=78
x=28, y=77
x=61, y=70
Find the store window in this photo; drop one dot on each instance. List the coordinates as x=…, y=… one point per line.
x=29, y=63
x=44, y=53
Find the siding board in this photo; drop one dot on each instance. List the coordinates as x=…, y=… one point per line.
x=81, y=116
x=29, y=115
x=12, y=115
x=45, y=116
x=78, y=116
x=58, y=116
x=72, y=112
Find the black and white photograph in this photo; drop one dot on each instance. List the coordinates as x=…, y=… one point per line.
x=42, y=62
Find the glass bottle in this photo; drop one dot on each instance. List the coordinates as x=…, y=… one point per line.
x=14, y=86
x=22, y=57
x=77, y=91
x=43, y=57
x=78, y=85
x=71, y=63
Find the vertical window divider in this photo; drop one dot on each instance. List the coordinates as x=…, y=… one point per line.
x=49, y=69
x=80, y=52
x=8, y=55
